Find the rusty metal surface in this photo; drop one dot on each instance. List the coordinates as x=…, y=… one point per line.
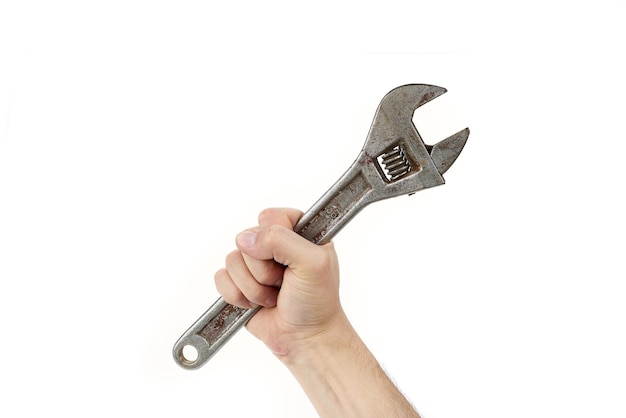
x=394, y=161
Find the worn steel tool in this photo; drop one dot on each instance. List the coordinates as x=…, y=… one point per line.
x=394, y=161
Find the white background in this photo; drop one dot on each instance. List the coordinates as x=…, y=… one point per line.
x=138, y=137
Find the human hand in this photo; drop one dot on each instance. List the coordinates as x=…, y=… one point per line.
x=295, y=280
x=303, y=322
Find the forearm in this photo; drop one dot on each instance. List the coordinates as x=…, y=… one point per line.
x=342, y=378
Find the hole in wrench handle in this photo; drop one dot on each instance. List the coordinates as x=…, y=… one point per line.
x=210, y=332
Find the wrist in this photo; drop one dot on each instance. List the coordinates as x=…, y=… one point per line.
x=314, y=347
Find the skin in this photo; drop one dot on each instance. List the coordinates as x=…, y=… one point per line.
x=303, y=322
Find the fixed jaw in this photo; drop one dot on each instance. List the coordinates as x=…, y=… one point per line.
x=445, y=152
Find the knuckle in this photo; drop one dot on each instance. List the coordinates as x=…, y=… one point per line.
x=271, y=275
x=326, y=260
x=232, y=258
x=273, y=238
x=257, y=295
x=219, y=278
x=275, y=234
x=279, y=216
x=229, y=291
x=266, y=215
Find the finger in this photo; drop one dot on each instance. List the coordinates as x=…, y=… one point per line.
x=276, y=242
x=255, y=292
x=288, y=248
x=286, y=217
x=229, y=291
x=267, y=271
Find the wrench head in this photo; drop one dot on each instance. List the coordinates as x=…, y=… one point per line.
x=404, y=162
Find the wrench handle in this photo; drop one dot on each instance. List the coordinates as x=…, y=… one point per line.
x=209, y=333
x=318, y=225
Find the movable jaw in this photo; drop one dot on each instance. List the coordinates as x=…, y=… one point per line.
x=445, y=152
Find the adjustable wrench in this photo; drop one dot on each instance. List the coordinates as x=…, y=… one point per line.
x=394, y=161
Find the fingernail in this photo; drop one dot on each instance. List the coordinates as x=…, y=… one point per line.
x=271, y=301
x=246, y=239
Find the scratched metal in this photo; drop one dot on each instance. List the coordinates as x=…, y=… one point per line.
x=213, y=329
x=394, y=161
